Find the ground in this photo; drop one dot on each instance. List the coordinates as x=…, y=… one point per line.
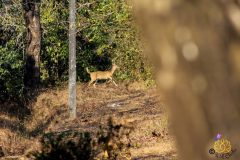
x=139, y=107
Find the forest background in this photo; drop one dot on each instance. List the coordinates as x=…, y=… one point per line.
x=105, y=32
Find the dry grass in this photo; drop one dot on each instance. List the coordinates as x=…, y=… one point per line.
x=136, y=106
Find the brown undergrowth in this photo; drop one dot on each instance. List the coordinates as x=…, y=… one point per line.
x=138, y=107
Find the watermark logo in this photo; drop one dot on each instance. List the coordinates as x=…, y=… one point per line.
x=222, y=148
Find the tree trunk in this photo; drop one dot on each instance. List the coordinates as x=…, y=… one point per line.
x=72, y=59
x=195, y=46
x=33, y=48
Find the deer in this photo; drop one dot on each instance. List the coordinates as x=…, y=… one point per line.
x=97, y=75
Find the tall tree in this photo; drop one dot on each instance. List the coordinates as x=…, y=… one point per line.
x=72, y=59
x=33, y=48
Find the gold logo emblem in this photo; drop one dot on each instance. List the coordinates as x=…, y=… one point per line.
x=222, y=146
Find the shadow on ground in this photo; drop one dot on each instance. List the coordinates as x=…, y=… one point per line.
x=167, y=156
x=14, y=114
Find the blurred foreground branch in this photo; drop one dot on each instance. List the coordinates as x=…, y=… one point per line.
x=196, y=51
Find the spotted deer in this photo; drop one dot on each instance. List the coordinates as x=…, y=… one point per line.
x=97, y=75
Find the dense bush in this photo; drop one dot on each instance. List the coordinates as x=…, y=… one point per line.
x=71, y=145
x=11, y=72
x=112, y=142
x=11, y=52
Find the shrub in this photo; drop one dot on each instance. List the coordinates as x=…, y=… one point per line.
x=111, y=142
x=71, y=145
x=11, y=72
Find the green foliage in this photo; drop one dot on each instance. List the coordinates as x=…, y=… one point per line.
x=11, y=72
x=11, y=51
x=105, y=32
x=54, y=55
x=110, y=34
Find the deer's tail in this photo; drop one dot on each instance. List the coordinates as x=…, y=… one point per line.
x=87, y=70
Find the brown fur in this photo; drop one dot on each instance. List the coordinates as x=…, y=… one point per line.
x=102, y=75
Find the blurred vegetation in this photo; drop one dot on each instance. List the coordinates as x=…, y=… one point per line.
x=111, y=142
x=105, y=33
x=66, y=145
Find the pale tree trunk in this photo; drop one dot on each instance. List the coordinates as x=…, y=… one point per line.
x=72, y=59
x=195, y=46
x=33, y=47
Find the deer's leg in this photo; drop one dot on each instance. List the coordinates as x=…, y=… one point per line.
x=90, y=82
x=114, y=83
x=94, y=84
x=111, y=79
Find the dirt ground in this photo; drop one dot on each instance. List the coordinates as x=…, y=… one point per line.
x=141, y=108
